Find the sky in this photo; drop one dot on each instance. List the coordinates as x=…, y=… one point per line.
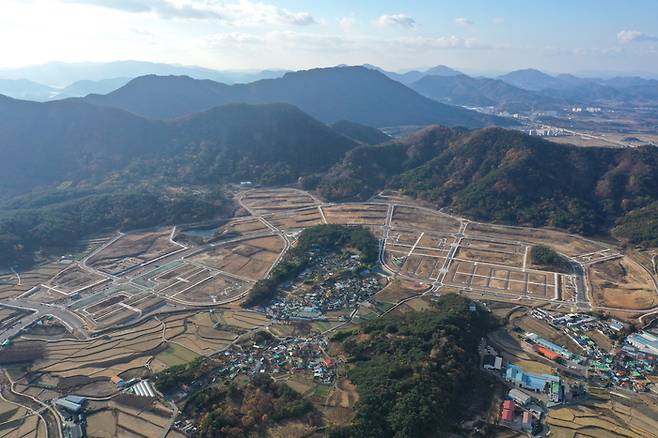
x=475, y=36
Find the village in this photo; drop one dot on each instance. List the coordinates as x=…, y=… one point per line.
x=332, y=282
x=616, y=360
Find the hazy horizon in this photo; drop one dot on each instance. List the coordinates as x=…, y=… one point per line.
x=556, y=37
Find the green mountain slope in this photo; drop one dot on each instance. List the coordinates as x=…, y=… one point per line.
x=499, y=175
x=46, y=143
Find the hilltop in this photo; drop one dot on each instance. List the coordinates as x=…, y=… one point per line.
x=504, y=176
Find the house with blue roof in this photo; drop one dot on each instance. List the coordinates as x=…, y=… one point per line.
x=535, y=382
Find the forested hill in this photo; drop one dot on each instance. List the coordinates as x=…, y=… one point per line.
x=46, y=143
x=357, y=94
x=506, y=176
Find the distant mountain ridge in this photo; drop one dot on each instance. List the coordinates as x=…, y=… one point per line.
x=61, y=74
x=356, y=94
x=481, y=92
x=415, y=75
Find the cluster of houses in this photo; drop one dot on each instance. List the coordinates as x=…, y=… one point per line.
x=627, y=366
x=281, y=356
x=332, y=282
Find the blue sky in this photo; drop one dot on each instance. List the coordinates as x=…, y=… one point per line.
x=481, y=36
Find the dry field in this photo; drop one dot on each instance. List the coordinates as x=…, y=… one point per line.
x=356, y=214
x=197, y=333
x=242, y=319
x=264, y=201
x=10, y=287
x=18, y=422
x=422, y=267
x=297, y=220
x=622, y=283
x=423, y=220
x=615, y=417
x=399, y=289
x=128, y=419
x=249, y=258
x=132, y=250
x=243, y=227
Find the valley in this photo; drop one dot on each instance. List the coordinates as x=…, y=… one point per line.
x=133, y=304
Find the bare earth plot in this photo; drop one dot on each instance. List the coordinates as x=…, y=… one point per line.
x=296, y=220
x=564, y=243
x=622, y=283
x=263, y=201
x=423, y=220
x=356, y=214
x=243, y=227
x=132, y=250
x=74, y=279
x=250, y=258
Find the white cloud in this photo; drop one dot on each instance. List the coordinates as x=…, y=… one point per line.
x=462, y=21
x=291, y=40
x=498, y=20
x=401, y=20
x=347, y=22
x=634, y=36
x=243, y=12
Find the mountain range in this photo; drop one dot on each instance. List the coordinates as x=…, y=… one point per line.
x=62, y=148
x=415, y=75
x=61, y=74
x=356, y=94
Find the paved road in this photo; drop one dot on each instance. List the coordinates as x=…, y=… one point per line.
x=72, y=321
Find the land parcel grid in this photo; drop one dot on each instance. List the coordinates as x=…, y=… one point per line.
x=420, y=219
x=567, y=244
x=132, y=250
x=263, y=201
x=355, y=214
x=249, y=259
x=473, y=275
x=296, y=220
x=74, y=279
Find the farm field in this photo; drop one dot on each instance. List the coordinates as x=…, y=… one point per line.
x=18, y=422
x=614, y=417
